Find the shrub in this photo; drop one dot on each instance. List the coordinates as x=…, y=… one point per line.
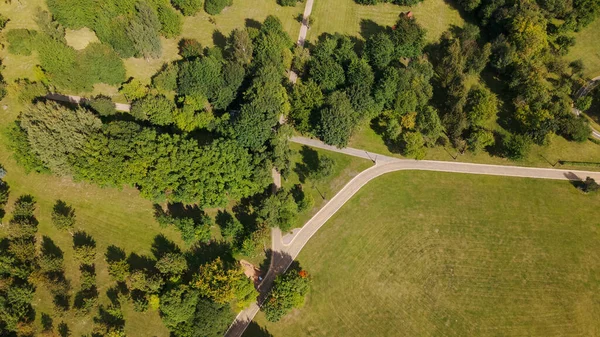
x=214, y=7
x=287, y=2
x=166, y=78
x=103, y=105
x=187, y=7
x=170, y=21
x=516, y=146
x=288, y=292
x=63, y=215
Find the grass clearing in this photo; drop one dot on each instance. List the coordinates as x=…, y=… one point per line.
x=587, y=49
x=348, y=17
x=79, y=39
x=428, y=253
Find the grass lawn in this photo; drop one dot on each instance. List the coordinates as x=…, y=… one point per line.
x=440, y=254
x=346, y=167
x=588, y=49
x=348, y=17
x=539, y=156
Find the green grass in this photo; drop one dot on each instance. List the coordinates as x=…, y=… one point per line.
x=348, y=17
x=539, y=156
x=588, y=49
x=430, y=254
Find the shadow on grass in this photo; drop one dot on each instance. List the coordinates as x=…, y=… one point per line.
x=162, y=246
x=255, y=330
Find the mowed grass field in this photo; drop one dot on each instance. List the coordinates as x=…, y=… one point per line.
x=348, y=17
x=587, y=49
x=440, y=254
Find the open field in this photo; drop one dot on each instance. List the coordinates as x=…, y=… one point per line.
x=587, y=49
x=428, y=254
x=348, y=17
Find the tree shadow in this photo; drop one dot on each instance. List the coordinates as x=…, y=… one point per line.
x=309, y=164
x=114, y=254
x=369, y=28
x=255, y=330
x=179, y=210
x=113, y=293
x=140, y=262
x=47, y=323
x=219, y=39
x=50, y=248
x=251, y=23
x=162, y=246
x=63, y=329
x=62, y=208
x=81, y=238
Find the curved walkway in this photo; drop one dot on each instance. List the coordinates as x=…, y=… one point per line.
x=584, y=90
x=286, y=248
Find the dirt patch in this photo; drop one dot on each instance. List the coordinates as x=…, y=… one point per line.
x=251, y=271
x=79, y=39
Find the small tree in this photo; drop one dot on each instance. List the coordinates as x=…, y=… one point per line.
x=590, y=185
x=172, y=265
x=103, y=105
x=289, y=291
x=584, y=103
x=63, y=215
x=188, y=7
x=414, y=145
x=214, y=7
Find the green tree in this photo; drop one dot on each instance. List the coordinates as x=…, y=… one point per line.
x=408, y=37
x=173, y=265
x=63, y=215
x=156, y=109
x=133, y=89
x=482, y=105
x=413, y=145
x=103, y=105
x=222, y=284
x=288, y=292
x=584, y=103
x=55, y=133
x=590, y=185
x=188, y=7
x=516, y=146
x=306, y=98
x=479, y=139
x=240, y=46
x=143, y=32
x=337, y=120
x=166, y=79
x=380, y=50
x=231, y=227
x=214, y=7
x=430, y=125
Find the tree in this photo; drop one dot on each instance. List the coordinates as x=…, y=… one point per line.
x=55, y=133
x=172, y=265
x=214, y=7
x=240, y=46
x=170, y=21
x=430, y=125
x=590, y=185
x=288, y=292
x=482, y=105
x=102, y=105
x=413, y=145
x=324, y=169
x=306, y=98
x=380, y=50
x=326, y=72
x=188, y=7
x=279, y=210
x=516, y=146
x=63, y=215
x=575, y=128
x=166, y=79
x=480, y=139
x=133, y=89
x=584, y=103
x=289, y=3
x=157, y=109
x=231, y=227
x=408, y=37
x=220, y=283
x=143, y=32
x=337, y=120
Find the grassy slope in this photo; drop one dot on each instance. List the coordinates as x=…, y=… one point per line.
x=540, y=156
x=424, y=254
x=588, y=49
x=348, y=17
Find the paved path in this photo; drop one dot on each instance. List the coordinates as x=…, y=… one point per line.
x=286, y=249
x=584, y=90
x=79, y=100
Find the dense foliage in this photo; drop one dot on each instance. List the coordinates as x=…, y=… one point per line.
x=288, y=292
x=131, y=27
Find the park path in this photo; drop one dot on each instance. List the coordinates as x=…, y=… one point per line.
x=302, y=35
x=286, y=248
x=80, y=100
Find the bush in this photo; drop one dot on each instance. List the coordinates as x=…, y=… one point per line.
x=288, y=292
x=576, y=128
x=187, y=7
x=287, y=2
x=166, y=78
x=102, y=105
x=214, y=7
x=516, y=146
x=170, y=21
